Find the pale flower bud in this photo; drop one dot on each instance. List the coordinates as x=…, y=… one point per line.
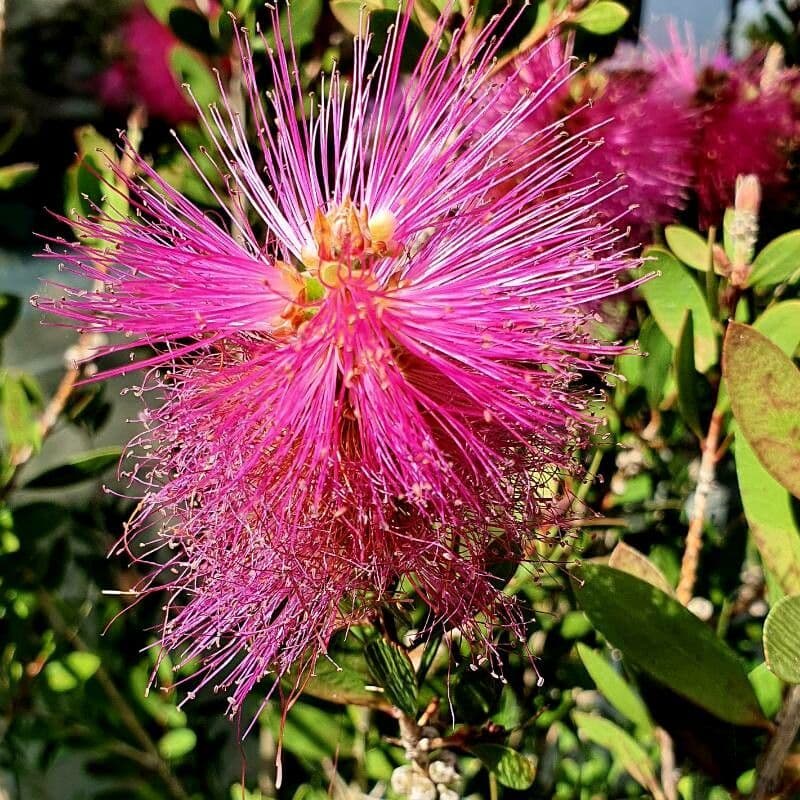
x=381, y=226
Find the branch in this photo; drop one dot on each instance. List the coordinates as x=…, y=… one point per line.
x=694, y=537
x=771, y=767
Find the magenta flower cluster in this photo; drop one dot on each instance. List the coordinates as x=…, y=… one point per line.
x=366, y=376
x=672, y=132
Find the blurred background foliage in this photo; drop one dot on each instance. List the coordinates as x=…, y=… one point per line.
x=664, y=624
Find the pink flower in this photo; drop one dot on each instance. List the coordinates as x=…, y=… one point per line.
x=143, y=74
x=749, y=127
x=378, y=388
x=642, y=109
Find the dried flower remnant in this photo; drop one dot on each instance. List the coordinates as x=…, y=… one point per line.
x=368, y=393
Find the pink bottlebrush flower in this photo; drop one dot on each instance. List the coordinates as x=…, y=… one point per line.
x=143, y=74
x=377, y=387
x=750, y=123
x=642, y=109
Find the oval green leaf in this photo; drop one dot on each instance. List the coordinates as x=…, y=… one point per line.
x=657, y=634
x=779, y=261
x=603, y=17
x=177, y=743
x=688, y=245
x=764, y=389
x=670, y=295
x=512, y=769
x=782, y=639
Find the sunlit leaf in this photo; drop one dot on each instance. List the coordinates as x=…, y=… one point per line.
x=189, y=69
x=764, y=389
x=670, y=295
x=625, y=749
x=603, y=17
x=768, y=508
x=688, y=245
x=630, y=560
x=779, y=261
x=780, y=323
x=768, y=688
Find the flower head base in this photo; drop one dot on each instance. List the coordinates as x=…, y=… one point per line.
x=347, y=240
x=380, y=390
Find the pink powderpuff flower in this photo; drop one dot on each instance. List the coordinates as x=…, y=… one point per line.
x=143, y=74
x=750, y=126
x=370, y=378
x=641, y=106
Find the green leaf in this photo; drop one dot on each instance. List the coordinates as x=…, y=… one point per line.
x=668, y=642
x=192, y=28
x=10, y=306
x=622, y=746
x=160, y=9
x=768, y=509
x=177, y=743
x=77, y=469
x=630, y=560
x=764, y=389
x=779, y=261
x=768, y=688
x=83, y=665
x=298, y=23
x=782, y=639
x=686, y=378
x=655, y=370
x=189, y=69
x=310, y=733
x=688, y=245
x=670, y=295
x=392, y=670
x=780, y=323
x=512, y=769
x=615, y=689
x=603, y=17
x=19, y=418
x=16, y=175
x=352, y=14
x=343, y=679
x=59, y=678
